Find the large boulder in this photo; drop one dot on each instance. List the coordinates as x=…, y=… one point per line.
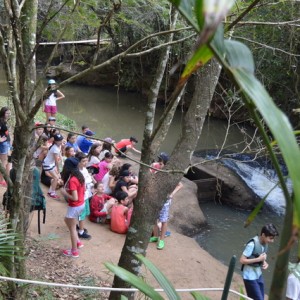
x=186, y=215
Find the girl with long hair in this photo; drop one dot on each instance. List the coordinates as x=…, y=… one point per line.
x=74, y=192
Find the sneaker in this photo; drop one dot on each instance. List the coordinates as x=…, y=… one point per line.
x=84, y=236
x=77, y=228
x=168, y=233
x=153, y=239
x=160, y=245
x=53, y=195
x=79, y=245
x=72, y=253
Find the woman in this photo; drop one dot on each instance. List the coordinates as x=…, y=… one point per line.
x=4, y=140
x=75, y=195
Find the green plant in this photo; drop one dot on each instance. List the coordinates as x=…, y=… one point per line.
x=145, y=288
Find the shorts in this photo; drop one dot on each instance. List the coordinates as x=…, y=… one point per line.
x=4, y=147
x=48, y=167
x=164, y=213
x=86, y=211
x=73, y=212
x=51, y=109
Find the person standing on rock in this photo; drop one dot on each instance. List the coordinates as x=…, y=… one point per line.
x=160, y=233
x=254, y=259
x=51, y=95
x=74, y=192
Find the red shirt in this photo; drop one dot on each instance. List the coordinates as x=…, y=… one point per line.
x=96, y=205
x=75, y=185
x=123, y=143
x=118, y=221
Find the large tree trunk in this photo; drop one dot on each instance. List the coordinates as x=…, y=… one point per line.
x=153, y=188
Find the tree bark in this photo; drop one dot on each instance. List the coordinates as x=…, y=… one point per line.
x=154, y=188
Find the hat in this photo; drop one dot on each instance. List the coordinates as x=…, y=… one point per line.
x=125, y=173
x=38, y=123
x=109, y=140
x=164, y=157
x=133, y=139
x=58, y=137
x=89, y=133
x=51, y=81
x=51, y=119
x=71, y=163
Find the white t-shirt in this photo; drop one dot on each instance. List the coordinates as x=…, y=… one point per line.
x=293, y=287
x=51, y=100
x=50, y=158
x=88, y=183
x=94, y=160
x=105, y=181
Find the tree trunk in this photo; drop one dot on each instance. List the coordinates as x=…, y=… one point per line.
x=153, y=188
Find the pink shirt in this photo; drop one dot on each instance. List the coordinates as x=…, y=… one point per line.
x=102, y=170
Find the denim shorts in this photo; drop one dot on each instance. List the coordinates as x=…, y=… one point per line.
x=4, y=147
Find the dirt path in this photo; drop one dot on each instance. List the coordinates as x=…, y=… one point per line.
x=184, y=263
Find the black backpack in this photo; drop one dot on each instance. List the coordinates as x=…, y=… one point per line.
x=38, y=201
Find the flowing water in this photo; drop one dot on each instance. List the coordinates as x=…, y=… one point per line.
x=120, y=115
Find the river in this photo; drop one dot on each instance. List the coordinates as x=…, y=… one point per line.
x=120, y=115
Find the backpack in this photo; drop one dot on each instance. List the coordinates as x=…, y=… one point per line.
x=38, y=201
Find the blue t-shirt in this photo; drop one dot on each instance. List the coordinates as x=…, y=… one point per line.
x=85, y=145
x=250, y=272
x=79, y=140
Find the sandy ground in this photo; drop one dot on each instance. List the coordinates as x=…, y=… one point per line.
x=184, y=263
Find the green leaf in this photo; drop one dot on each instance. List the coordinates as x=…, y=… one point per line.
x=198, y=296
x=134, y=281
x=186, y=8
x=160, y=277
x=239, y=56
x=199, y=59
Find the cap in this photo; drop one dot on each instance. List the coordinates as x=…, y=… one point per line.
x=133, y=139
x=38, y=123
x=51, y=119
x=164, y=157
x=125, y=173
x=58, y=137
x=89, y=133
x=51, y=81
x=109, y=140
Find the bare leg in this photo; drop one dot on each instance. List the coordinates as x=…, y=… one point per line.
x=164, y=226
x=71, y=224
x=155, y=230
x=3, y=158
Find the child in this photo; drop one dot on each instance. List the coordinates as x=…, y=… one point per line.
x=98, y=205
x=163, y=158
x=93, y=156
x=159, y=237
x=71, y=142
x=120, y=214
x=89, y=182
x=293, y=282
x=253, y=260
x=75, y=195
x=51, y=165
x=125, y=144
x=104, y=166
x=50, y=97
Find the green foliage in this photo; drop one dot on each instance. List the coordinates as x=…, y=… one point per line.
x=7, y=240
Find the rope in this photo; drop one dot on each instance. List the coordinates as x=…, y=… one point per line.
x=108, y=289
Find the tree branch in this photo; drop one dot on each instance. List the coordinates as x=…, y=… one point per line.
x=268, y=47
